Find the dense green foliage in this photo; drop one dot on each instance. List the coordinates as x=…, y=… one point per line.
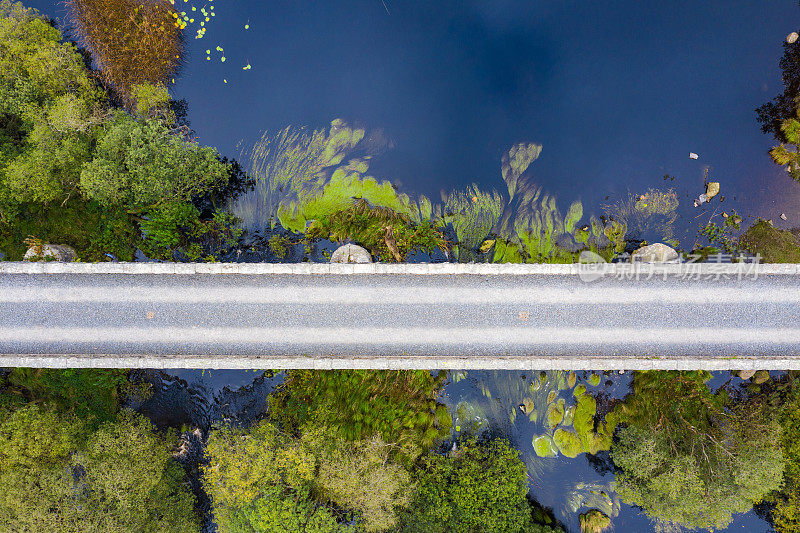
x=770, y=243
x=259, y=480
x=120, y=478
x=785, y=515
x=691, y=456
x=382, y=231
x=400, y=406
x=88, y=393
x=77, y=171
x=479, y=487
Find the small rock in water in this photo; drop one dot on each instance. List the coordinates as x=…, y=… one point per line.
x=712, y=189
x=783, y=216
x=693, y=155
x=746, y=374
x=760, y=377
x=654, y=253
x=792, y=37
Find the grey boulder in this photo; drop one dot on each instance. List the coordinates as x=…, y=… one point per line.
x=655, y=253
x=351, y=253
x=59, y=252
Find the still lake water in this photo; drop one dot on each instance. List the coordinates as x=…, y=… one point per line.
x=206, y=397
x=617, y=93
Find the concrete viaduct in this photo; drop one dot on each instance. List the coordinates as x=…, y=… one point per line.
x=431, y=316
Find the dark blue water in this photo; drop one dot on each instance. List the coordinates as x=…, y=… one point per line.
x=618, y=93
x=206, y=397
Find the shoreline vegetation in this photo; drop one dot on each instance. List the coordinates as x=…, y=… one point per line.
x=104, y=161
x=96, y=155
x=380, y=451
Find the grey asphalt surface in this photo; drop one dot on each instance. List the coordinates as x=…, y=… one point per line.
x=477, y=317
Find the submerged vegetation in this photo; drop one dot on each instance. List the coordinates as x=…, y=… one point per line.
x=375, y=451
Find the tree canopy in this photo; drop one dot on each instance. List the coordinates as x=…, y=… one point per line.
x=693, y=457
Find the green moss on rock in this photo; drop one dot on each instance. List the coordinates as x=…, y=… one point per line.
x=772, y=244
x=594, y=521
x=544, y=446
x=568, y=443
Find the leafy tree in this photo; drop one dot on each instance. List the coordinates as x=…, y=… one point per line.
x=140, y=165
x=772, y=114
x=133, y=483
x=121, y=479
x=481, y=487
x=89, y=393
x=133, y=42
x=785, y=516
x=259, y=481
x=37, y=484
x=400, y=406
x=690, y=456
x=48, y=106
x=360, y=477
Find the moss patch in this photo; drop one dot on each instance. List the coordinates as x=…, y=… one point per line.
x=772, y=244
x=594, y=521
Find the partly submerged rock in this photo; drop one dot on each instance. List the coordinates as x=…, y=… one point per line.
x=771, y=244
x=746, y=374
x=594, y=521
x=655, y=253
x=58, y=252
x=544, y=446
x=351, y=253
x=568, y=443
x=762, y=376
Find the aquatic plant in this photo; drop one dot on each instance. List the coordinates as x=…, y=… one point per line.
x=294, y=164
x=381, y=230
x=400, y=406
x=132, y=41
x=551, y=401
x=648, y=216
x=473, y=214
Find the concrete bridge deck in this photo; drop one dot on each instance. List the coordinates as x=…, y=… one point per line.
x=610, y=316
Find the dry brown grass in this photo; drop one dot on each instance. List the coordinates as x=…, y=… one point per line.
x=132, y=41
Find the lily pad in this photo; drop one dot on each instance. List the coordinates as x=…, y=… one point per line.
x=579, y=391
x=487, y=245
x=594, y=380
x=544, y=446
x=551, y=397
x=584, y=415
